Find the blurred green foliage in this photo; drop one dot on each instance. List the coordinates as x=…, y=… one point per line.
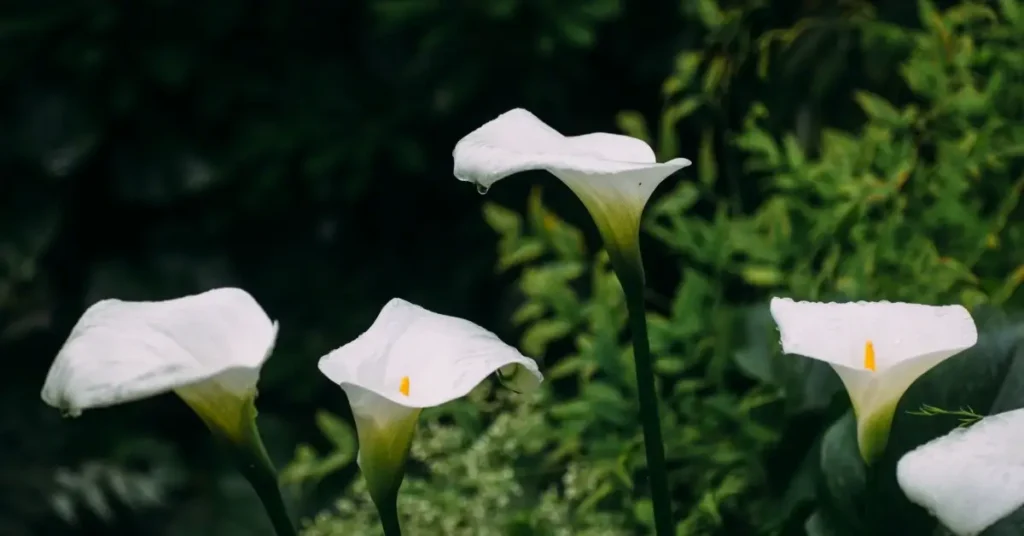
x=914, y=202
x=299, y=150
x=843, y=151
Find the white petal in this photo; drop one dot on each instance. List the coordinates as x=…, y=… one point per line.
x=121, y=351
x=872, y=390
x=440, y=357
x=900, y=332
x=370, y=408
x=603, y=169
x=970, y=478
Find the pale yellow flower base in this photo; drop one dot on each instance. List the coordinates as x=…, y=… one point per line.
x=383, y=451
x=224, y=412
x=873, y=431
x=616, y=218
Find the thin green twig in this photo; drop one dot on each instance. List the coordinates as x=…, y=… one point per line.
x=966, y=415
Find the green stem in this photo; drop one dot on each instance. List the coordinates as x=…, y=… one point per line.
x=388, y=511
x=630, y=271
x=254, y=463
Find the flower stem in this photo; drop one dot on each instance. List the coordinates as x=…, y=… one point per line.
x=388, y=511
x=630, y=271
x=254, y=463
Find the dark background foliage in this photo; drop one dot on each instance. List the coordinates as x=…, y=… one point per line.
x=302, y=151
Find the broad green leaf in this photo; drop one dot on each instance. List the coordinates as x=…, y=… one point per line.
x=988, y=378
x=809, y=384
x=844, y=478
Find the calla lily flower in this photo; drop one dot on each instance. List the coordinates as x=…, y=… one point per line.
x=878, y=349
x=971, y=477
x=613, y=175
x=409, y=359
x=207, y=348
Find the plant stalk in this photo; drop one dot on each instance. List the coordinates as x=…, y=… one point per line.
x=630, y=271
x=255, y=465
x=388, y=512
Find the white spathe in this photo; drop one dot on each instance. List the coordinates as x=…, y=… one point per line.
x=613, y=175
x=409, y=359
x=208, y=348
x=878, y=349
x=970, y=478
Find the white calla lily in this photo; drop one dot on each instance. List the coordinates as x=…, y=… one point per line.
x=971, y=477
x=878, y=349
x=409, y=359
x=613, y=175
x=208, y=348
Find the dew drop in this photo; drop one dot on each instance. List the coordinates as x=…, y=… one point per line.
x=481, y=189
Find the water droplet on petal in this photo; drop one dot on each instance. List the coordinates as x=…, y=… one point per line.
x=481, y=189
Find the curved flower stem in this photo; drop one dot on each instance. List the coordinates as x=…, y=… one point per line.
x=629, y=268
x=253, y=462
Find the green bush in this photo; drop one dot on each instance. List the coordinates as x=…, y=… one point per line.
x=484, y=480
x=917, y=203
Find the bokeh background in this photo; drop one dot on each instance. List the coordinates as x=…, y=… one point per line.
x=302, y=151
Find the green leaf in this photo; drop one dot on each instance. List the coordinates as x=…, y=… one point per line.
x=537, y=337
x=1012, y=11
x=715, y=73
x=754, y=355
x=809, y=384
x=670, y=365
x=878, y=108
x=643, y=510
x=761, y=276
x=692, y=296
x=528, y=312
x=819, y=525
x=707, y=167
x=337, y=431
x=566, y=367
x=525, y=251
x=759, y=143
x=505, y=222
x=608, y=403
x=682, y=109
x=988, y=378
x=844, y=477
x=687, y=64
x=929, y=17
x=794, y=152
x=632, y=123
